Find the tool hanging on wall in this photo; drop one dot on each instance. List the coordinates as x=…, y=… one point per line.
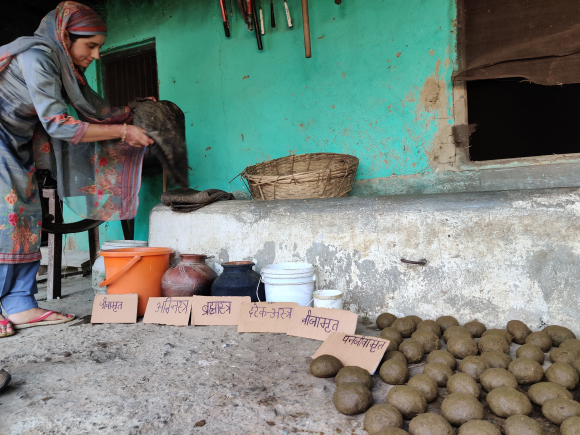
x=257, y=24
x=262, y=30
x=306, y=27
x=231, y=9
x=272, y=17
x=338, y=2
x=225, y=17
x=288, y=17
x=242, y=7
x=249, y=15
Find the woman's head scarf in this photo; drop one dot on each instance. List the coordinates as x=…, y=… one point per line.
x=70, y=16
x=97, y=170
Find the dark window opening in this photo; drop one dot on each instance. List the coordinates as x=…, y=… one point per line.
x=128, y=75
x=517, y=119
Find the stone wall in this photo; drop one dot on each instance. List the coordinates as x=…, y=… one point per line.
x=491, y=256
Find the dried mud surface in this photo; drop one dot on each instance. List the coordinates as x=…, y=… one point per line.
x=143, y=379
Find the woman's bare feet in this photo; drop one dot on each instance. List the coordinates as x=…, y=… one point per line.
x=8, y=329
x=33, y=313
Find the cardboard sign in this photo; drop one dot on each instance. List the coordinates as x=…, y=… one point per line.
x=115, y=308
x=217, y=310
x=318, y=323
x=266, y=317
x=354, y=350
x=168, y=311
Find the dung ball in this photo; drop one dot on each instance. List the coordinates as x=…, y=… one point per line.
x=474, y=366
x=426, y=385
x=505, y=402
x=382, y=416
x=385, y=320
x=354, y=374
x=459, y=408
x=409, y=401
x=430, y=424
x=475, y=328
x=325, y=366
x=352, y=398
x=394, y=372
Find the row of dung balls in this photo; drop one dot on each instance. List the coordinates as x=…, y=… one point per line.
x=494, y=369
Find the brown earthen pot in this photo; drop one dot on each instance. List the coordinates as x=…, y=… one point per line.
x=191, y=277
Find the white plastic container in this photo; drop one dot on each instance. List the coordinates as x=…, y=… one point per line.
x=98, y=271
x=289, y=282
x=328, y=299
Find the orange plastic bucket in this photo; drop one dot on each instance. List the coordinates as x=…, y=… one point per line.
x=135, y=270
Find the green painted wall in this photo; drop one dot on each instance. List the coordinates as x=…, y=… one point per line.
x=377, y=85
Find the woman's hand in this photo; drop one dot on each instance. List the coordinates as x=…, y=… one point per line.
x=136, y=137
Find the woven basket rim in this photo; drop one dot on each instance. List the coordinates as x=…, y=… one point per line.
x=352, y=160
x=336, y=172
x=321, y=175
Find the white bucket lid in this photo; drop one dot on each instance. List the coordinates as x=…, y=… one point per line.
x=327, y=295
x=118, y=244
x=288, y=269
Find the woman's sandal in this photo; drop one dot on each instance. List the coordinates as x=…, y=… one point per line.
x=39, y=321
x=5, y=323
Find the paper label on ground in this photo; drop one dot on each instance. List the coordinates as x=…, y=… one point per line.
x=318, y=323
x=115, y=308
x=168, y=311
x=354, y=350
x=217, y=310
x=266, y=317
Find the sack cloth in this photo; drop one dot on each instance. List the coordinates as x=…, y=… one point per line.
x=186, y=200
x=538, y=40
x=164, y=122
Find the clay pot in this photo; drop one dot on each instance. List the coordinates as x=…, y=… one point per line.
x=191, y=277
x=238, y=279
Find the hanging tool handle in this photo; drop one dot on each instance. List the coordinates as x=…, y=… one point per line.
x=249, y=15
x=272, y=17
x=306, y=27
x=256, y=25
x=225, y=18
x=262, y=30
x=288, y=17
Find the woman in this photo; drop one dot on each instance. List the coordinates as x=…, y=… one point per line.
x=39, y=77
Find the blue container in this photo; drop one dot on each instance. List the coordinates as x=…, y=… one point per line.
x=238, y=279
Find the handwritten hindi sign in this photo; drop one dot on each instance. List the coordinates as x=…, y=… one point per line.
x=115, y=308
x=217, y=310
x=354, y=350
x=266, y=317
x=318, y=323
x=168, y=311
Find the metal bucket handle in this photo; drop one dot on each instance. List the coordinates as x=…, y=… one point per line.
x=260, y=281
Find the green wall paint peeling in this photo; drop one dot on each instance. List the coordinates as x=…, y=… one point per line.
x=363, y=92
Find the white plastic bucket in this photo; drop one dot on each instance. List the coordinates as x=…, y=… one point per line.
x=289, y=282
x=328, y=299
x=98, y=270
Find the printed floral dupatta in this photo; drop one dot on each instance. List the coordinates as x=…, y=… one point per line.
x=97, y=180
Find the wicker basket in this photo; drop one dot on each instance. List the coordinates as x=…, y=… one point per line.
x=318, y=175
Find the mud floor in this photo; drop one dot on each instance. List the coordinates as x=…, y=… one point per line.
x=140, y=379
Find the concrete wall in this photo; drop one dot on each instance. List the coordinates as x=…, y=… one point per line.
x=491, y=256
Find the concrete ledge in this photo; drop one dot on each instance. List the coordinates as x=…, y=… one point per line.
x=494, y=256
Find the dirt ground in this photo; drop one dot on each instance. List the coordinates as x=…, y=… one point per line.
x=81, y=378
